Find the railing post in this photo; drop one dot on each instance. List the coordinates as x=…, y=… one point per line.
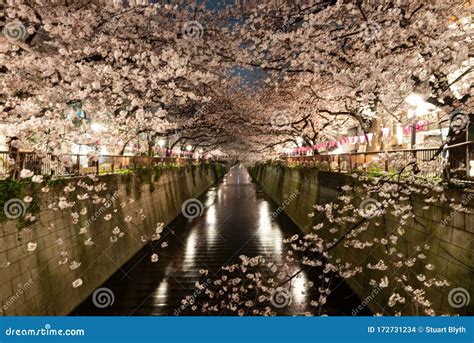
x=78, y=162
x=468, y=162
x=18, y=167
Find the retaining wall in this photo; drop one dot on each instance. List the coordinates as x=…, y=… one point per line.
x=451, y=246
x=39, y=282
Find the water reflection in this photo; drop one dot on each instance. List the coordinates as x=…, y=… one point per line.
x=210, y=227
x=161, y=293
x=270, y=237
x=299, y=289
x=190, y=251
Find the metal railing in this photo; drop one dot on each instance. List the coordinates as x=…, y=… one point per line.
x=452, y=162
x=72, y=165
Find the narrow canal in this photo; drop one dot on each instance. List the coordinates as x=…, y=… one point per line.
x=237, y=220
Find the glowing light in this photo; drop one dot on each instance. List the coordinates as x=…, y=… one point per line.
x=422, y=107
x=189, y=148
x=161, y=143
x=414, y=100
x=399, y=134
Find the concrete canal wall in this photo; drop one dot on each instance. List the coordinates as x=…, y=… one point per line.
x=450, y=234
x=39, y=281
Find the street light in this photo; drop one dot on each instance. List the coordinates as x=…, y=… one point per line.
x=300, y=141
x=414, y=100
x=421, y=106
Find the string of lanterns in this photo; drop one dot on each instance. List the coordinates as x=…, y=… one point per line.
x=362, y=139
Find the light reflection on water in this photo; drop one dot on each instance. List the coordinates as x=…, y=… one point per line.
x=269, y=234
x=190, y=252
x=159, y=296
x=298, y=289
x=211, y=228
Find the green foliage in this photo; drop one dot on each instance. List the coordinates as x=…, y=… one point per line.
x=157, y=172
x=124, y=171
x=9, y=189
x=16, y=189
x=127, y=178
x=133, y=180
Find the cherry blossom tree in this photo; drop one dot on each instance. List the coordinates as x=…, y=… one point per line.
x=105, y=73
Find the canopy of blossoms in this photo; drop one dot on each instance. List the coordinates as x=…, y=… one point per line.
x=249, y=80
x=307, y=71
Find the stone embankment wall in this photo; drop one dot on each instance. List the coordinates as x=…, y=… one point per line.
x=39, y=281
x=449, y=233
